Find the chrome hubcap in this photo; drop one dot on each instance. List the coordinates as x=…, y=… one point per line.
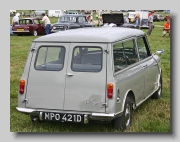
x=35, y=33
x=127, y=115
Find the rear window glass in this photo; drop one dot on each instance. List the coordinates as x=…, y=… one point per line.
x=87, y=59
x=50, y=58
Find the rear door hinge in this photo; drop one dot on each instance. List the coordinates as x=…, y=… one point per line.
x=104, y=105
x=33, y=49
x=107, y=51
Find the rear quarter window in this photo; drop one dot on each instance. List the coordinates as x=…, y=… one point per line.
x=50, y=58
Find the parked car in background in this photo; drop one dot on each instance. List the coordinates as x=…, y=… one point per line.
x=71, y=21
x=118, y=19
x=131, y=16
x=81, y=75
x=127, y=23
x=32, y=26
x=158, y=17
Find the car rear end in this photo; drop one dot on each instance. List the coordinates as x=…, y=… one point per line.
x=144, y=24
x=74, y=87
x=21, y=29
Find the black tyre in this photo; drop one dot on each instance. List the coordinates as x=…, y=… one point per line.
x=158, y=93
x=124, y=121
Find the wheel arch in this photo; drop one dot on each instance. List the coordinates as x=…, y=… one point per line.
x=131, y=95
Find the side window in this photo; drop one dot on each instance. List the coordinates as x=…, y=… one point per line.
x=119, y=58
x=81, y=20
x=50, y=58
x=130, y=52
x=124, y=54
x=87, y=59
x=142, y=45
x=36, y=21
x=28, y=21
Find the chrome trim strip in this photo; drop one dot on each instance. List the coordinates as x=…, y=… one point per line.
x=118, y=112
x=146, y=98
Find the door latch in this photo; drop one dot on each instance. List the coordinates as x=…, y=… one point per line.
x=107, y=51
x=33, y=49
x=25, y=101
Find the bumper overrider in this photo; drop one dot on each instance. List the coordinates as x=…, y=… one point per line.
x=86, y=115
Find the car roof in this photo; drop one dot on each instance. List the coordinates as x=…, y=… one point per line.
x=30, y=18
x=94, y=34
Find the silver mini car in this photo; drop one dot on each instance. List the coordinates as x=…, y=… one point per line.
x=86, y=74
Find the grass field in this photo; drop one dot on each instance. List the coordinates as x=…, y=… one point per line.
x=152, y=116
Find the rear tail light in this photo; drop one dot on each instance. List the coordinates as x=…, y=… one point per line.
x=110, y=88
x=21, y=86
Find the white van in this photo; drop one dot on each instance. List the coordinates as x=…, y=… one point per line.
x=143, y=19
x=55, y=13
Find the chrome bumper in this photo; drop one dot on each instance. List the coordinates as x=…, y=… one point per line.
x=20, y=31
x=87, y=115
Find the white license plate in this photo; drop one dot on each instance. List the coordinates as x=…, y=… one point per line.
x=63, y=117
x=61, y=27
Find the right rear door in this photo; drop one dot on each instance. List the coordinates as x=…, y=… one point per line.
x=86, y=77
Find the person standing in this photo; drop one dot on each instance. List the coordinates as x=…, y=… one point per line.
x=91, y=18
x=15, y=20
x=150, y=23
x=47, y=23
x=166, y=28
x=88, y=17
x=137, y=21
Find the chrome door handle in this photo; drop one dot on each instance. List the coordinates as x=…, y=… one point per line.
x=69, y=74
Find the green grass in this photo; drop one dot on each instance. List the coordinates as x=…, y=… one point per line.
x=151, y=116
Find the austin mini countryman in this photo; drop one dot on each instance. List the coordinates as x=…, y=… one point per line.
x=86, y=74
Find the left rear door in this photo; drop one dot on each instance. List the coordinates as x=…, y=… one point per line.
x=46, y=79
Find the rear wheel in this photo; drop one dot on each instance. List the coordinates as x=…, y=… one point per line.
x=124, y=121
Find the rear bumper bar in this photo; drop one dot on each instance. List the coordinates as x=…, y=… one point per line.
x=21, y=31
x=88, y=115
